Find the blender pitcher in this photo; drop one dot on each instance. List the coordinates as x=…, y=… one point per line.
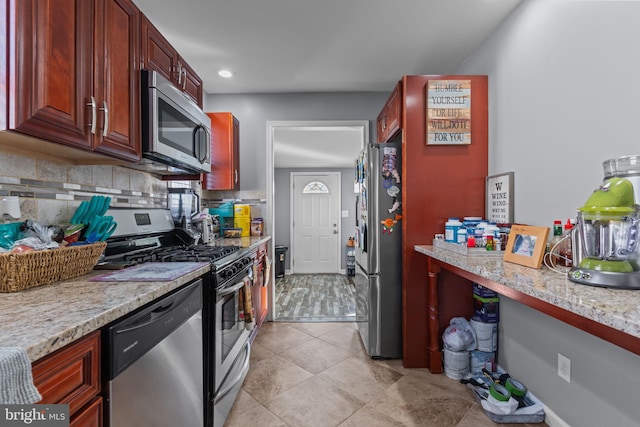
x=183, y=204
x=607, y=242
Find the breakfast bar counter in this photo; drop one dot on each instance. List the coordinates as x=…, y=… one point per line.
x=610, y=314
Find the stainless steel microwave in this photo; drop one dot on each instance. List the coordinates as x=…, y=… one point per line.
x=176, y=133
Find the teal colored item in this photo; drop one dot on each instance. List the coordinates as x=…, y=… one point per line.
x=9, y=233
x=98, y=205
x=100, y=228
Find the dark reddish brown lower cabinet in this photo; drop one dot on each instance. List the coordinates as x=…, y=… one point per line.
x=90, y=416
x=259, y=291
x=71, y=376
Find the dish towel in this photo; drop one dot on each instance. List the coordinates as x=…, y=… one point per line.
x=16, y=382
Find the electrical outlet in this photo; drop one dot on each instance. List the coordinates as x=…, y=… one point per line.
x=564, y=367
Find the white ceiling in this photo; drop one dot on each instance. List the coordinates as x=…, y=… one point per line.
x=317, y=145
x=322, y=45
x=281, y=46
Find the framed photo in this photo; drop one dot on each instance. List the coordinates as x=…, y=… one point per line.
x=499, y=198
x=526, y=245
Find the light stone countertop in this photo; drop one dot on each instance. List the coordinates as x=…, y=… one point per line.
x=46, y=318
x=616, y=308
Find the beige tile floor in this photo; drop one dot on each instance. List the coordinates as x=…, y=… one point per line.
x=317, y=375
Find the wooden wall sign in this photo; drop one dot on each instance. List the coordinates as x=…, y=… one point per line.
x=448, y=112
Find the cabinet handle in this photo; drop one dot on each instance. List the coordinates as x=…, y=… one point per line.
x=384, y=123
x=92, y=104
x=184, y=82
x=105, y=129
x=179, y=74
x=235, y=176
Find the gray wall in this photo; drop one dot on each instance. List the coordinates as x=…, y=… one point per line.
x=282, y=201
x=254, y=110
x=563, y=97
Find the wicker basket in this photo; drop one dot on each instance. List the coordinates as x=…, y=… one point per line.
x=19, y=271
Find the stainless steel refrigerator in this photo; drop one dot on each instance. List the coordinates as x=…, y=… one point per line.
x=378, y=277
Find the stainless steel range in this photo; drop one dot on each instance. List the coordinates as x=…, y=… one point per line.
x=149, y=235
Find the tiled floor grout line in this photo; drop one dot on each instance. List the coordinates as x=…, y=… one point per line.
x=349, y=389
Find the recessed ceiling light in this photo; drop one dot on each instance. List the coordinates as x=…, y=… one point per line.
x=225, y=73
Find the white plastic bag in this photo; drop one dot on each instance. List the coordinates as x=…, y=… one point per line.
x=459, y=335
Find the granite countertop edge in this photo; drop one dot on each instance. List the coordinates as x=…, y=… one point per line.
x=46, y=318
x=616, y=308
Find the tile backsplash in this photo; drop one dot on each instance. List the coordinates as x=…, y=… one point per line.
x=51, y=191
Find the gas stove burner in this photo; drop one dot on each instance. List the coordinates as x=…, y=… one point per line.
x=193, y=253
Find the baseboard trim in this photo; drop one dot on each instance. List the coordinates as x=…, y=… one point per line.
x=552, y=419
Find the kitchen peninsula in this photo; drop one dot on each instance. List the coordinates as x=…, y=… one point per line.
x=609, y=314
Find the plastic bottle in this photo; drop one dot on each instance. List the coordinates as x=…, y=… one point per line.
x=451, y=228
x=557, y=235
x=479, y=234
x=462, y=236
x=564, y=249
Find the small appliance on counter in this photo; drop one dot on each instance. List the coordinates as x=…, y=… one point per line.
x=606, y=243
x=184, y=204
x=203, y=223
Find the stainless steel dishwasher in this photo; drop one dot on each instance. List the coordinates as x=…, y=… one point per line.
x=154, y=365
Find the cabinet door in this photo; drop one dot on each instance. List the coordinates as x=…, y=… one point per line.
x=71, y=375
x=190, y=82
x=381, y=126
x=225, y=158
x=117, y=78
x=394, y=112
x=53, y=67
x=90, y=416
x=157, y=53
x=390, y=118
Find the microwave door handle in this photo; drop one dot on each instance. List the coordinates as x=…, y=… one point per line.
x=206, y=144
x=195, y=140
x=199, y=147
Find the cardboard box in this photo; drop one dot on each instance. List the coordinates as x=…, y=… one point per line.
x=486, y=309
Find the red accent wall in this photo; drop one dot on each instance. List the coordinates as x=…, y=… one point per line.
x=439, y=181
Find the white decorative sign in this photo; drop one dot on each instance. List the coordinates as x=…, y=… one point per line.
x=499, y=202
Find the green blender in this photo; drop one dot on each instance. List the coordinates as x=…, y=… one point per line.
x=607, y=231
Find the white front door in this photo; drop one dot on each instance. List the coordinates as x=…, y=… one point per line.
x=316, y=222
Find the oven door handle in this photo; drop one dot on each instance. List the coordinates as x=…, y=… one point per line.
x=230, y=290
x=238, y=378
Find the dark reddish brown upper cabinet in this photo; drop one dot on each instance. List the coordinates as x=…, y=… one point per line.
x=75, y=67
x=390, y=118
x=225, y=153
x=71, y=376
x=159, y=55
x=190, y=82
